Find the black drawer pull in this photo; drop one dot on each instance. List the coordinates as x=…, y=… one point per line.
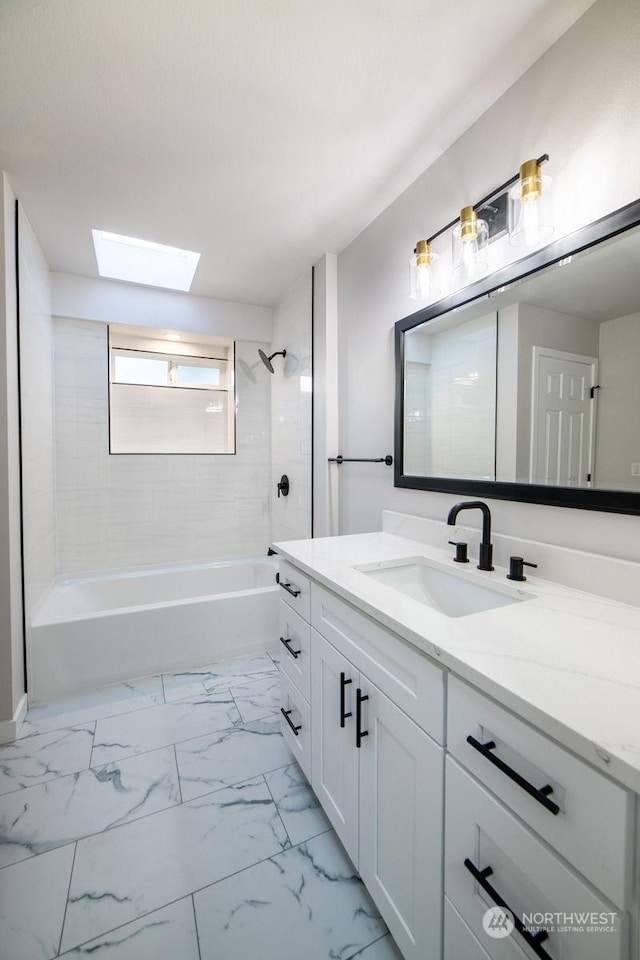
x=288, y=588
x=359, y=732
x=534, y=940
x=285, y=714
x=541, y=794
x=287, y=642
x=343, y=684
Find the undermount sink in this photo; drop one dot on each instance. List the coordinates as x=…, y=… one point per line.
x=450, y=593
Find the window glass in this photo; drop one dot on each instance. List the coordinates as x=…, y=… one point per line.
x=129, y=368
x=188, y=375
x=163, y=402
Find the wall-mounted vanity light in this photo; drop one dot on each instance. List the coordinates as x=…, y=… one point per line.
x=530, y=213
x=424, y=275
x=469, y=241
x=527, y=195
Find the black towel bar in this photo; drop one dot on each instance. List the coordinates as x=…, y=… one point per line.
x=340, y=459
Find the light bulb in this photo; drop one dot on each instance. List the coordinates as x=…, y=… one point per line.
x=468, y=259
x=530, y=222
x=423, y=281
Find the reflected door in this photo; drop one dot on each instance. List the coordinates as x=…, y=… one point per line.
x=562, y=421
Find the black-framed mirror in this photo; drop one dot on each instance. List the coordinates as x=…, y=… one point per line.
x=526, y=384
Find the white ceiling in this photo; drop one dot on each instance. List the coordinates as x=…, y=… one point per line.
x=261, y=133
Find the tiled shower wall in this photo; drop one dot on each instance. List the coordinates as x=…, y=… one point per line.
x=141, y=510
x=291, y=412
x=36, y=410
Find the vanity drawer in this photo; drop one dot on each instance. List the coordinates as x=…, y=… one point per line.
x=409, y=678
x=296, y=724
x=295, y=589
x=481, y=834
x=295, y=653
x=594, y=825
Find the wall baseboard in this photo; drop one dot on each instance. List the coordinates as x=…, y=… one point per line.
x=9, y=729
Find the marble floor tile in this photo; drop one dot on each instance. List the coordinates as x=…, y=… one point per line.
x=216, y=676
x=211, y=762
x=59, y=811
x=297, y=804
x=125, y=873
x=144, y=730
x=306, y=902
x=167, y=934
x=45, y=756
x=106, y=701
x=383, y=949
x=257, y=698
x=33, y=897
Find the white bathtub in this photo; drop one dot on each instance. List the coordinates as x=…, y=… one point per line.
x=105, y=628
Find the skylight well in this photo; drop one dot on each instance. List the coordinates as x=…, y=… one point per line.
x=142, y=261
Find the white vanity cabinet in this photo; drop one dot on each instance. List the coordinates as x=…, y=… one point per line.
x=509, y=816
x=376, y=709
x=551, y=837
x=295, y=663
x=379, y=778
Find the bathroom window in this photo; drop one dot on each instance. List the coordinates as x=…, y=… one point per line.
x=170, y=401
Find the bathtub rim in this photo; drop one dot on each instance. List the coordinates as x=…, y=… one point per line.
x=131, y=573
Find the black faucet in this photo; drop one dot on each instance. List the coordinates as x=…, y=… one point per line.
x=485, y=557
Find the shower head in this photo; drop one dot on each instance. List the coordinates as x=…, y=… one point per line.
x=267, y=360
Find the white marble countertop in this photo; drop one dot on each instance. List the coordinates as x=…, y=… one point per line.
x=566, y=661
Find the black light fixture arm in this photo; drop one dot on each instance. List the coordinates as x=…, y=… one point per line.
x=476, y=206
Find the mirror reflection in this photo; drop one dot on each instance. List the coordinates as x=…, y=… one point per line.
x=450, y=398
x=537, y=383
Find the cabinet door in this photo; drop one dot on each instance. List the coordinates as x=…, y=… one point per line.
x=401, y=824
x=334, y=758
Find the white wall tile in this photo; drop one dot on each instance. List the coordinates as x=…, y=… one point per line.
x=36, y=410
x=128, y=510
x=291, y=413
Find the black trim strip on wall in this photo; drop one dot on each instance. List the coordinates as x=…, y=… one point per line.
x=313, y=388
x=609, y=501
x=20, y=450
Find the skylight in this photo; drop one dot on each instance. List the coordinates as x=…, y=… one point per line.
x=141, y=261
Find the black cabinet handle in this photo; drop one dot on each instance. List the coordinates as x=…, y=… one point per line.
x=287, y=642
x=534, y=940
x=285, y=714
x=360, y=733
x=541, y=794
x=287, y=587
x=343, y=684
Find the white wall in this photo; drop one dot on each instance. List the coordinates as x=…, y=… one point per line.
x=618, y=412
x=291, y=386
x=325, y=396
x=138, y=510
x=36, y=407
x=12, y=681
x=112, y=301
x=579, y=103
